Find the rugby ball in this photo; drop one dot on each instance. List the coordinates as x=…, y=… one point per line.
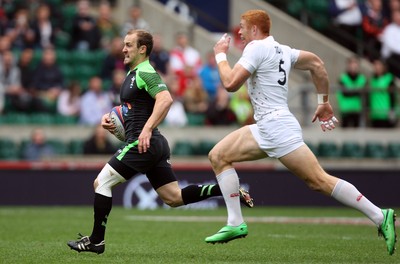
x=117, y=118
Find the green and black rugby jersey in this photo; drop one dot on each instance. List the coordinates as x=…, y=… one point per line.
x=137, y=98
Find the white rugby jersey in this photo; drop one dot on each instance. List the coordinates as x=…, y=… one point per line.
x=269, y=64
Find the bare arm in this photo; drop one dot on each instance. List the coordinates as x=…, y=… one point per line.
x=231, y=78
x=160, y=110
x=310, y=62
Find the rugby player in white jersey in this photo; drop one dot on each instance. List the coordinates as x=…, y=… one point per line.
x=265, y=64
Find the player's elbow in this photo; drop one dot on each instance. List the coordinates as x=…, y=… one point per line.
x=231, y=86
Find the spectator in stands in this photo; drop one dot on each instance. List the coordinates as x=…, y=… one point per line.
x=373, y=23
x=176, y=116
x=219, y=111
x=109, y=28
x=94, y=103
x=389, y=6
x=114, y=59
x=236, y=40
x=43, y=28
x=24, y=102
x=390, y=39
x=10, y=82
x=347, y=18
x=25, y=67
x=195, y=98
x=117, y=81
x=185, y=61
x=209, y=76
x=135, y=20
x=382, y=97
x=98, y=143
x=20, y=32
x=159, y=57
x=5, y=44
x=351, y=92
x=85, y=32
x=69, y=100
x=241, y=106
x=38, y=148
x=48, y=82
x=3, y=21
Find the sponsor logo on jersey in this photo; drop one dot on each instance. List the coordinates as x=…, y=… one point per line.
x=132, y=81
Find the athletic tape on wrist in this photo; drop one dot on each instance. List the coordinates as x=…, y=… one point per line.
x=321, y=98
x=220, y=57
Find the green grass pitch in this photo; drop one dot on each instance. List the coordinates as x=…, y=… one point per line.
x=276, y=235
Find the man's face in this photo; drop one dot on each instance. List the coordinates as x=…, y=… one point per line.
x=130, y=50
x=244, y=32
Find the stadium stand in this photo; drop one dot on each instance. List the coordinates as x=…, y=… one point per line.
x=70, y=142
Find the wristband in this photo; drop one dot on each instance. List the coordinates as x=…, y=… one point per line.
x=322, y=98
x=220, y=57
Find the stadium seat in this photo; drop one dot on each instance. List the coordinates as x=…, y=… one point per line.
x=295, y=7
x=84, y=72
x=59, y=146
x=86, y=58
x=63, y=57
x=16, y=118
x=203, y=147
x=76, y=147
x=318, y=13
x=65, y=120
x=312, y=147
x=375, y=150
x=42, y=119
x=8, y=149
x=393, y=150
x=196, y=119
x=328, y=150
x=68, y=12
x=183, y=148
x=352, y=150
x=68, y=71
x=36, y=58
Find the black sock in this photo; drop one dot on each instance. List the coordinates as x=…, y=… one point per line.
x=102, y=208
x=196, y=193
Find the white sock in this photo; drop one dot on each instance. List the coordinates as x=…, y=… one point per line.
x=228, y=182
x=347, y=194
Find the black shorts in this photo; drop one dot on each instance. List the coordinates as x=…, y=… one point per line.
x=155, y=163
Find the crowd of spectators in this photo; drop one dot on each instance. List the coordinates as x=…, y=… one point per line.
x=369, y=99
x=371, y=29
x=35, y=76
x=40, y=72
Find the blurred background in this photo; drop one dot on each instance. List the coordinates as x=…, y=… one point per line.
x=61, y=69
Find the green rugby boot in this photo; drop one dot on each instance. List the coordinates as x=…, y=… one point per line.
x=228, y=233
x=388, y=229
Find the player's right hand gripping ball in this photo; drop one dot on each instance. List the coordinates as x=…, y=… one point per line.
x=117, y=118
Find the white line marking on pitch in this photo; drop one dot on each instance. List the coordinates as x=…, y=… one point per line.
x=256, y=219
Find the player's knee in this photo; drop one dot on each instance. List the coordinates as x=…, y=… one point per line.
x=216, y=157
x=95, y=184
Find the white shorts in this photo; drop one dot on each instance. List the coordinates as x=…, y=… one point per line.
x=278, y=133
